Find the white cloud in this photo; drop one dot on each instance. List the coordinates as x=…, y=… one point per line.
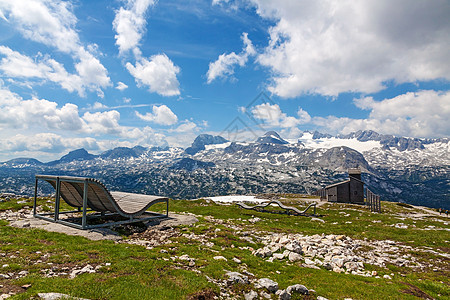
x=186, y=126
x=219, y=2
x=224, y=65
x=18, y=113
x=91, y=73
x=15, y=64
x=49, y=22
x=129, y=24
x=53, y=24
x=106, y=122
x=41, y=114
x=272, y=115
x=332, y=46
x=121, y=86
x=158, y=73
x=161, y=115
x=421, y=114
x=46, y=142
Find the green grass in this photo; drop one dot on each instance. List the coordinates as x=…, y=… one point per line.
x=139, y=273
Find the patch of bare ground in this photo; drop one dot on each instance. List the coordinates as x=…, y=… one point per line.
x=415, y=291
x=207, y=294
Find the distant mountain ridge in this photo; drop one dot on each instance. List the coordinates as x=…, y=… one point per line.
x=399, y=169
x=203, y=140
x=271, y=137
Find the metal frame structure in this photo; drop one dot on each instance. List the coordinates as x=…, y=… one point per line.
x=281, y=205
x=140, y=216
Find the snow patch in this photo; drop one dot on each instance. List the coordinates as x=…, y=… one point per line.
x=336, y=142
x=232, y=199
x=217, y=146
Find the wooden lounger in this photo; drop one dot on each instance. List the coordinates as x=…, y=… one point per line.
x=281, y=205
x=87, y=194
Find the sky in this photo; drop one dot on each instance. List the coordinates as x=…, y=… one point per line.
x=104, y=74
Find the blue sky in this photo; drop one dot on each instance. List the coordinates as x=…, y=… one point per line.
x=103, y=74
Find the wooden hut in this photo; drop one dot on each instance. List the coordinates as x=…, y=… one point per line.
x=349, y=191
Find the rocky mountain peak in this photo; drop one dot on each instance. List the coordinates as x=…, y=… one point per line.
x=75, y=155
x=271, y=137
x=202, y=140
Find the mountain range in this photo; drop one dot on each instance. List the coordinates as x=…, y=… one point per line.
x=401, y=169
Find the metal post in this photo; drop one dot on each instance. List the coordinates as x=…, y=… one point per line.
x=167, y=209
x=35, y=198
x=57, y=198
x=85, y=196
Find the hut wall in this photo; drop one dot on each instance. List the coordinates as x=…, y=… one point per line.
x=343, y=192
x=332, y=194
x=356, y=191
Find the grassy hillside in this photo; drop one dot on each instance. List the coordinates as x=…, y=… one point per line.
x=403, y=254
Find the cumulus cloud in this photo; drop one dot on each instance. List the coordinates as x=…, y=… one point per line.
x=186, y=127
x=158, y=73
x=18, y=113
x=53, y=24
x=129, y=24
x=420, y=114
x=46, y=142
x=91, y=74
x=330, y=47
x=49, y=22
x=121, y=86
x=272, y=115
x=161, y=115
x=225, y=64
x=42, y=114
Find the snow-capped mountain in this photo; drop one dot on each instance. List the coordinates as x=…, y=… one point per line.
x=398, y=168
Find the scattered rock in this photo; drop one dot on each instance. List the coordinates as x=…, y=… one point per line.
x=263, y=252
x=268, y=284
x=298, y=289
x=235, y=277
x=317, y=219
x=294, y=257
x=56, y=296
x=252, y=295
x=86, y=269
x=283, y=295
x=220, y=257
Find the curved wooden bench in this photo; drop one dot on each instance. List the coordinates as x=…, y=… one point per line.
x=90, y=194
x=281, y=205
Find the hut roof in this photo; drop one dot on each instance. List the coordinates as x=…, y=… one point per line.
x=342, y=182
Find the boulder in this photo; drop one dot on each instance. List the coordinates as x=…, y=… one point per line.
x=298, y=289
x=268, y=284
x=283, y=295
x=294, y=257
x=235, y=277
x=263, y=252
x=252, y=295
